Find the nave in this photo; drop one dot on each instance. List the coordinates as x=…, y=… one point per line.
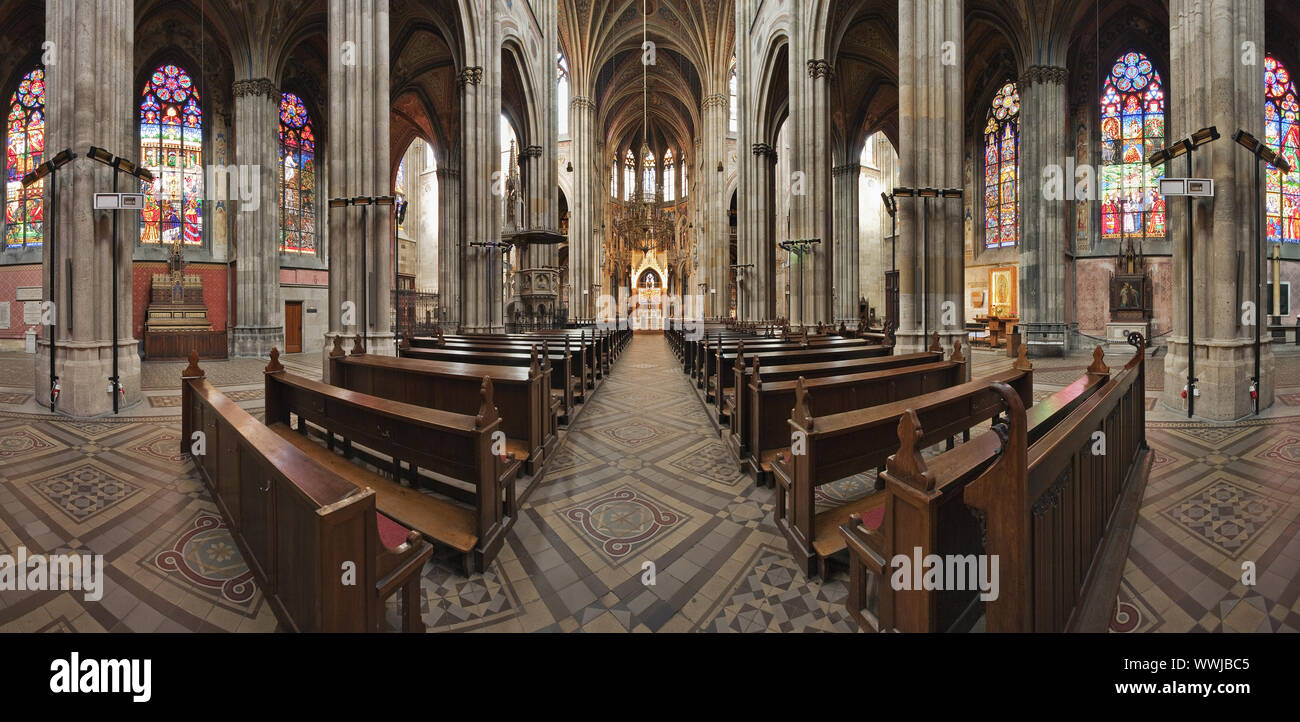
x=641, y=476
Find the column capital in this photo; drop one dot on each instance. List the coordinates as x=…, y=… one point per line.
x=448, y=172
x=820, y=69
x=470, y=76
x=847, y=169
x=582, y=102
x=763, y=149
x=532, y=151
x=255, y=86
x=718, y=100
x=1042, y=74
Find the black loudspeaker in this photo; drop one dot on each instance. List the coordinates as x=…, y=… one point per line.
x=401, y=212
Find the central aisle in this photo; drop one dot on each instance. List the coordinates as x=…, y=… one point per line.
x=642, y=479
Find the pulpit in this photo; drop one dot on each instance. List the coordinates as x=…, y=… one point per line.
x=1130, y=298
x=176, y=319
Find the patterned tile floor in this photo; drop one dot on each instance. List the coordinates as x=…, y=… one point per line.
x=641, y=478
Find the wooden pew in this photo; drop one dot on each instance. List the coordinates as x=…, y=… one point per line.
x=297, y=523
x=560, y=368
x=454, y=446
x=840, y=445
x=1057, y=515
x=556, y=349
x=725, y=379
x=855, y=387
x=522, y=395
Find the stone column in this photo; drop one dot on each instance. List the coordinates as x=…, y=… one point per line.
x=716, y=237
x=846, y=239
x=480, y=91
x=930, y=110
x=358, y=165
x=810, y=166
x=1206, y=38
x=449, y=244
x=585, y=211
x=89, y=103
x=259, y=325
x=1043, y=224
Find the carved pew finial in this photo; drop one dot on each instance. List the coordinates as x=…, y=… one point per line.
x=907, y=465
x=405, y=345
x=1022, y=359
x=935, y=345
x=358, y=348
x=1098, y=366
x=757, y=379
x=534, y=367
x=802, y=414
x=338, y=348
x=890, y=341
x=193, y=371
x=546, y=355
x=957, y=356
x=442, y=340
x=275, y=366
x=487, y=409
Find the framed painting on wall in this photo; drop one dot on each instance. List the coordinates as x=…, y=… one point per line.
x=1002, y=290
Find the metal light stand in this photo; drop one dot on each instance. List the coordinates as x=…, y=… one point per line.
x=739, y=268
x=1185, y=147
x=800, y=249
x=491, y=246
x=1263, y=155
x=119, y=165
x=51, y=168
x=365, y=202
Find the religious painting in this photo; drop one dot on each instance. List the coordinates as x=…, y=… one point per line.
x=1002, y=289
x=1130, y=296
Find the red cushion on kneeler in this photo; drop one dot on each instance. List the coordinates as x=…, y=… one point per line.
x=873, y=517
x=391, y=534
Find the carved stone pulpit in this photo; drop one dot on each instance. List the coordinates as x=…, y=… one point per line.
x=1131, y=297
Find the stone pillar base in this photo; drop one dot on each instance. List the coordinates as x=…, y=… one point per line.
x=256, y=341
x=1224, y=369
x=84, y=369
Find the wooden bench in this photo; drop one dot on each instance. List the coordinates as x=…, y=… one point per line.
x=564, y=375
x=855, y=387
x=319, y=549
x=521, y=394
x=839, y=445
x=556, y=348
x=725, y=378
x=1057, y=515
x=454, y=447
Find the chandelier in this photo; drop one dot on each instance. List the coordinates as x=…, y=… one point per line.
x=642, y=222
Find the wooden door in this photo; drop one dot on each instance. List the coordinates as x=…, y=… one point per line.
x=293, y=326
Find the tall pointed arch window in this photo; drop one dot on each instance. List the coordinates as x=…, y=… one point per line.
x=399, y=190
x=732, y=91
x=1001, y=179
x=171, y=145
x=686, y=173
x=297, y=177
x=1282, y=134
x=562, y=93
x=1132, y=128
x=613, y=180
x=648, y=181
x=24, y=150
x=670, y=176
x=629, y=175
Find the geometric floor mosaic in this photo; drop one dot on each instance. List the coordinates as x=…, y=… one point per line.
x=643, y=523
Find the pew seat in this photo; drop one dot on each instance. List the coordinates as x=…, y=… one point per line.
x=770, y=456
x=435, y=518
x=826, y=525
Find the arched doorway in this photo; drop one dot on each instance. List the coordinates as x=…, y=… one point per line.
x=649, y=295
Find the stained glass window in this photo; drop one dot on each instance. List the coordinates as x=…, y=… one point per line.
x=686, y=172
x=734, y=98
x=629, y=175
x=1001, y=180
x=24, y=150
x=670, y=184
x=171, y=145
x=1282, y=134
x=297, y=177
x=562, y=93
x=399, y=188
x=1132, y=128
x=648, y=181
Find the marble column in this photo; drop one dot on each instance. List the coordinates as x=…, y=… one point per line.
x=1206, y=38
x=259, y=325
x=358, y=165
x=1043, y=221
x=846, y=178
x=89, y=104
x=931, y=49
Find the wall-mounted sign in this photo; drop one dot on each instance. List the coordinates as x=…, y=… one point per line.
x=1187, y=187
x=119, y=201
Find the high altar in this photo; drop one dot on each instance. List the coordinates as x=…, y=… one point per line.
x=176, y=320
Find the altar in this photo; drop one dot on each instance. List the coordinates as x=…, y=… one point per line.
x=1130, y=298
x=176, y=320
